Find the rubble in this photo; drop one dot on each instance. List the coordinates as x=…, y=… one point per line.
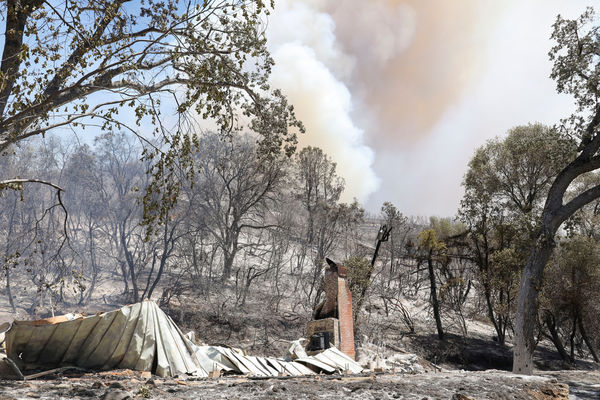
x=142, y=337
x=374, y=358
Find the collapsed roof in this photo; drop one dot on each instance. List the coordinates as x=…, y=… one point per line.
x=142, y=337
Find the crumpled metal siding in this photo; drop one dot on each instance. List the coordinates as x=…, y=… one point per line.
x=139, y=336
x=329, y=361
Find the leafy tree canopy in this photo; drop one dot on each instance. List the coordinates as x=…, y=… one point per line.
x=117, y=64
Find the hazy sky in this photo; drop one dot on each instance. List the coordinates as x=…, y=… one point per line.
x=400, y=93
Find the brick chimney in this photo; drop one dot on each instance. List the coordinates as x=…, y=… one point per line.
x=344, y=304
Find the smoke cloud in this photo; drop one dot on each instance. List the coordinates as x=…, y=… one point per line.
x=367, y=74
x=310, y=67
x=416, y=58
x=422, y=155
x=324, y=104
x=400, y=92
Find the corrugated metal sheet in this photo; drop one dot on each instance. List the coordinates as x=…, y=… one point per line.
x=339, y=360
x=313, y=362
x=140, y=336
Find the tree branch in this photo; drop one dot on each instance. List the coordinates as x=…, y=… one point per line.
x=17, y=184
x=579, y=201
x=6, y=184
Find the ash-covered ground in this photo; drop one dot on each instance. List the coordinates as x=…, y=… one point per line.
x=455, y=385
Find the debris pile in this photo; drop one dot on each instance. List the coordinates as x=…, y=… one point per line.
x=373, y=358
x=225, y=359
x=142, y=337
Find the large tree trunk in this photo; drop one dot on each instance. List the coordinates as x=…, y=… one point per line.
x=554, y=214
x=228, y=258
x=163, y=262
x=527, y=306
x=230, y=249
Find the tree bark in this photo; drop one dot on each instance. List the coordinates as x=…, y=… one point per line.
x=228, y=264
x=527, y=306
x=230, y=248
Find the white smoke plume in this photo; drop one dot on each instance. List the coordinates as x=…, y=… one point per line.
x=310, y=68
x=377, y=30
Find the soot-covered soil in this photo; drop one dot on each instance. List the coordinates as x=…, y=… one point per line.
x=456, y=385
